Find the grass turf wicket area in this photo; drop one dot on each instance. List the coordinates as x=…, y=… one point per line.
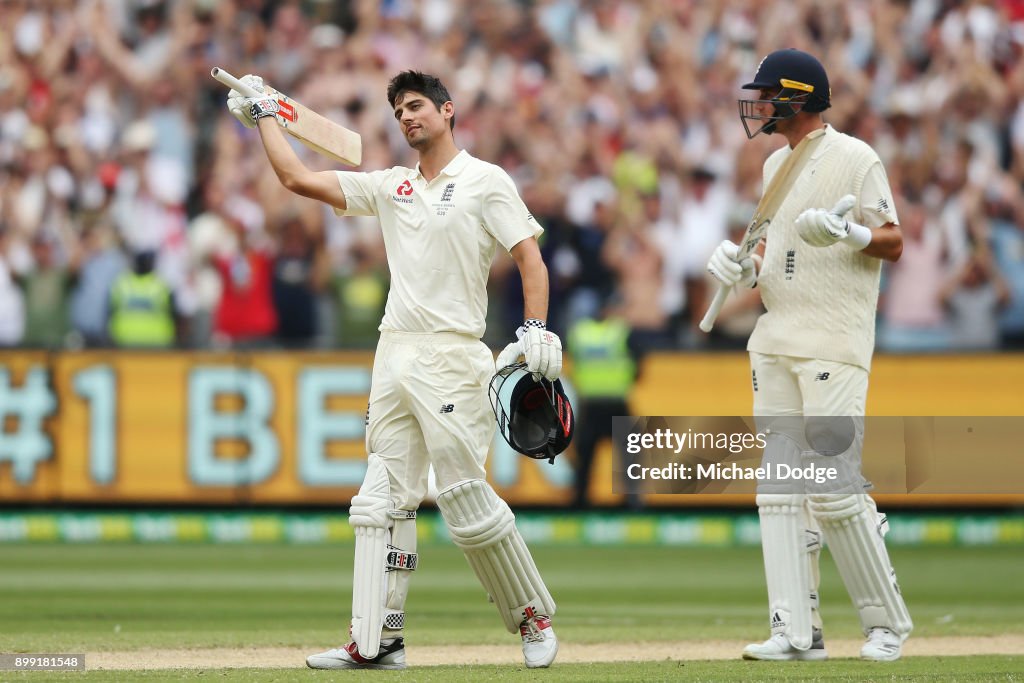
x=75, y=598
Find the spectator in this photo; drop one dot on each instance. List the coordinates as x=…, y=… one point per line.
x=360, y=293
x=299, y=275
x=47, y=288
x=245, y=317
x=913, y=317
x=142, y=307
x=102, y=264
x=12, y=307
x=974, y=296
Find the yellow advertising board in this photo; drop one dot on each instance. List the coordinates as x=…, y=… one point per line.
x=287, y=428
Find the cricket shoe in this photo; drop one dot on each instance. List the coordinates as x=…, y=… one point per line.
x=779, y=649
x=390, y=656
x=883, y=645
x=539, y=642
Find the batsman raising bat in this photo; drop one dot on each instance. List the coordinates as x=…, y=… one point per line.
x=810, y=355
x=441, y=222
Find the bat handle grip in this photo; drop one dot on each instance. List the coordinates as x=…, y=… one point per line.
x=232, y=82
x=714, y=309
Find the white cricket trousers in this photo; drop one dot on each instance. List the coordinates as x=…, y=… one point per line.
x=428, y=405
x=805, y=390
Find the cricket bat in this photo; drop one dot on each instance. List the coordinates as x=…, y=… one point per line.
x=320, y=134
x=771, y=200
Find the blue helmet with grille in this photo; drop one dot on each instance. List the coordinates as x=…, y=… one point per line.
x=534, y=415
x=793, y=77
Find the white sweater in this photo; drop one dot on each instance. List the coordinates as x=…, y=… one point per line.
x=821, y=301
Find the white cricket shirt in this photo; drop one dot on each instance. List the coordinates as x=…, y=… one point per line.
x=440, y=238
x=821, y=301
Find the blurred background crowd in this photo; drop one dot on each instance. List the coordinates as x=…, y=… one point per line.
x=126, y=188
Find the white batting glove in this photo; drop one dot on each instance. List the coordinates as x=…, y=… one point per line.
x=725, y=267
x=237, y=101
x=509, y=355
x=821, y=228
x=542, y=349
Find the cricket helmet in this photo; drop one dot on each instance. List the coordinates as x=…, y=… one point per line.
x=534, y=415
x=800, y=78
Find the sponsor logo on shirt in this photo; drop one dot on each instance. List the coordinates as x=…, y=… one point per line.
x=403, y=193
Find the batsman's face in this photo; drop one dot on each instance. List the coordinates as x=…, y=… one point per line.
x=764, y=107
x=420, y=120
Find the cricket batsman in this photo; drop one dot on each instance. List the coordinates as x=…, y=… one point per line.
x=818, y=272
x=441, y=222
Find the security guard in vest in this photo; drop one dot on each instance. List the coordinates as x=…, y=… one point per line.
x=603, y=373
x=142, y=307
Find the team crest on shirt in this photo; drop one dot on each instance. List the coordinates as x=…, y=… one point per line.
x=446, y=202
x=403, y=193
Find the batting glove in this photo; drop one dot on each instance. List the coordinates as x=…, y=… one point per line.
x=726, y=267
x=264, y=105
x=510, y=355
x=237, y=104
x=821, y=228
x=541, y=348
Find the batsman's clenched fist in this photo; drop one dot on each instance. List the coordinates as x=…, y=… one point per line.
x=239, y=105
x=821, y=228
x=726, y=266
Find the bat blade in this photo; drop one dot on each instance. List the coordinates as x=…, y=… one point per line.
x=320, y=134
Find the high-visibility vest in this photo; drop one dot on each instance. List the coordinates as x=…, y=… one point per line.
x=602, y=366
x=141, y=311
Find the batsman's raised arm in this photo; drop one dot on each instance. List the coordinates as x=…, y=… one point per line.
x=259, y=112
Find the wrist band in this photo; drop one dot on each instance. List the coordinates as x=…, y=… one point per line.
x=535, y=322
x=859, y=236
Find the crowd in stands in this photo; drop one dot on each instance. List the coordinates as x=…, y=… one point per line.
x=125, y=185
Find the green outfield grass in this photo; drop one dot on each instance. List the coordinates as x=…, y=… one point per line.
x=959, y=669
x=75, y=598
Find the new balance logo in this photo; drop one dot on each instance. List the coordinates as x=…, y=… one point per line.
x=821, y=377
x=448, y=408
x=753, y=378
x=449, y=190
x=790, y=263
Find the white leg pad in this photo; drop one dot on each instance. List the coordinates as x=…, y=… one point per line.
x=483, y=526
x=854, y=532
x=786, y=544
x=381, y=570
x=814, y=544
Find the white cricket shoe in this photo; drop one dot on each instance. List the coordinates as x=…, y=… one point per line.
x=779, y=649
x=539, y=642
x=390, y=656
x=883, y=645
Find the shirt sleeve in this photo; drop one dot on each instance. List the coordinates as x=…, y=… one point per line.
x=360, y=192
x=505, y=216
x=876, y=203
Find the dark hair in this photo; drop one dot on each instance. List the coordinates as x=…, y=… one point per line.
x=429, y=86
